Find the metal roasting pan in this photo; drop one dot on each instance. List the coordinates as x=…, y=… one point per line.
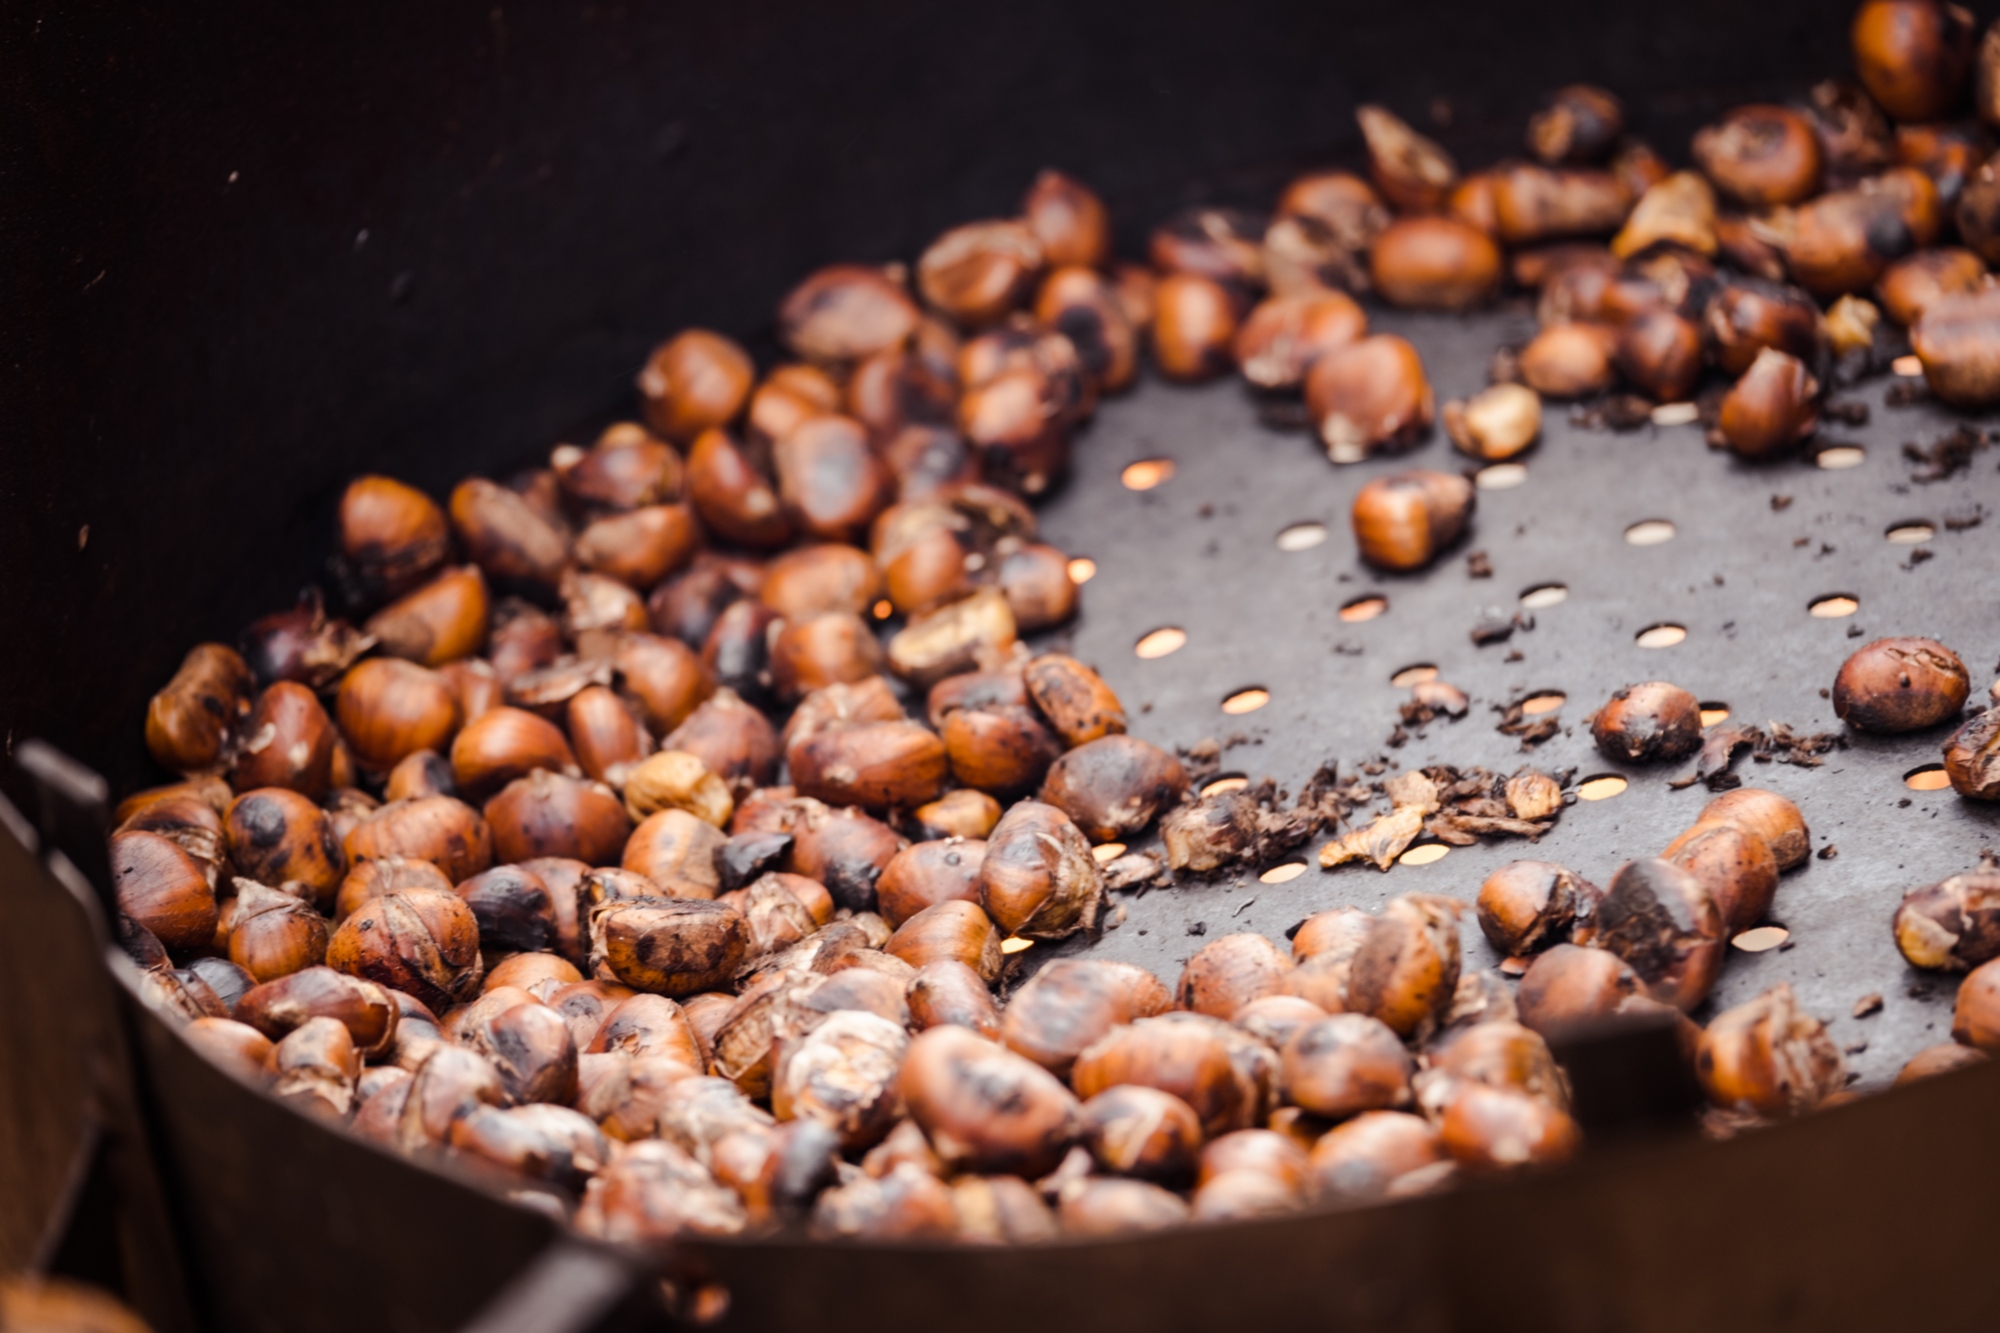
x=249, y=254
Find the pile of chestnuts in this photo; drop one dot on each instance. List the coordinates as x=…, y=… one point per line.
x=655, y=830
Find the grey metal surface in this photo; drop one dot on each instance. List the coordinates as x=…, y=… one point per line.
x=1199, y=552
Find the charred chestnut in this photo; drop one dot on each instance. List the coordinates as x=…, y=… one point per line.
x=1651, y=723
x=1769, y=1057
x=1897, y=685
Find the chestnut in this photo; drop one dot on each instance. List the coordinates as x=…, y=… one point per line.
x=979, y=272
x=1068, y=221
x=908, y=1203
x=821, y=649
x=529, y=1045
x=315, y=1068
x=642, y=547
x=1102, y=1206
x=1226, y=974
x=1193, y=327
x=594, y=608
x=1577, y=124
x=1954, y=340
x=1912, y=55
x=193, y=722
x=928, y=873
x=732, y=495
x=1768, y=1057
x=949, y=992
x=1284, y=335
x=628, y=468
x=1761, y=155
x=1498, y=422
x=1679, y=210
x=1771, y=408
x=1080, y=304
x=162, y=888
x=654, y=1193
x=419, y=941
x=1001, y=1210
x=1038, y=878
x=1953, y=925
x=955, y=930
x=1488, y=1129
x=1746, y=316
x=871, y=764
x=677, y=780
x=1074, y=1002
x=1369, y=396
x=439, y=622
x=287, y=741
x=439, y=829
x=367, y=1010
x=502, y=745
x=962, y=813
x=1224, y=244
x=374, y=877
x=550, y=814
x=1661, y=919
x=841, y=705
x=1569, y=985
x=389, y=708
x=1360, y=1159
x=844, y=1073
x=506, y=535
x=668, y=946
x=973, y=632
x=1112, y=787
x=276, y=835
x=1346, y=1064
x=1143, y=1133
x=542, y=975
x=1188, y=1055
x=694, y=381
x=1943, y=1058
x=1404, y=520
x=674, y=847
x=1074, y=698
x=984, y=1108
x=1972, y=757
x=845, y=312
x=844, y=850
x=896, y=389
x=1532, y=204
x=236, y=1047
x=186, y=820
x=831, y=484
x=1434, y=263
x=1526, y=906
x=1913, y=283
x=391, y=536
x=1975, y=1019
x=1340, y=201
x=1842, y=242
x=1651, y=723
x=272, y=934
x=1735, y=865
x=1472, y=202
x=1570, y=360
x=1004, y=749
x=1413, y=174
x=1897, y=685
x=1406, y=970
x=1660, y=353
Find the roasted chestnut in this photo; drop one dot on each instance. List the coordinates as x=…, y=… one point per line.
x=845, y=312
x=1226, y=974
x=1193, y=328
x=1404, y=520
x=1954, y=338
x=1435, y=263
x=1038, y=878
x=439, y=829
x=1912, y=55
x=1772, y=408
x=1953, y=925
x=1660, y=919
x=1768, y=1057
x=391, y=536
x=1496, y=423
x=1114, y=786
x=1761, y=155
x=551, y=814
x=506, y=535
x=1142, y=1132
x=979, y=272
x=1074, y=1002
x=192, y=724
x=985, y=1108
x=1651, y=723
x=1972, y=757
x=1569, y=360
x=1413, y=173
x=694, y=381
x=1897, y=685
x=1525, y=906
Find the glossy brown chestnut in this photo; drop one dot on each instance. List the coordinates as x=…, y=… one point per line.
x=1226, y=974
x=441, y=621
x=1954, y=338
x=1346, y=1064
x=1913, y=283
x=1570, y=360
x=1768, y=1057
x=273, y=934
x=955, y=931
x=276, y=835
x=962, y=813
x=1526, y=906
x=1772, y=408
x=1404, y=520
x=529, y=1044
x=391, y=536
x=1039, y=879
x=877, y=765
x=845, y=312
x=979, y=272
x=985, y=1108
x=1953, y=925
x=164, y=889
x=1972, y=757
x=388, y=708
x=1659, y=352
x=626, y=469
x=1897, y=685
x=1068, y=221
x=1074, y=1002
x=192, y=723
x=1361, y=1159
x=287, y=741
x=820, y=649
x=973, y=633
x=1114, y=786
x=506, y=535
x=550, y=814
x=419, y=941
x=1004, y=750
x=1533, y=204
x=1194, y=327
x=1188, y=1055
x=1569, y=985
x=1975, y=1019
x=502, y=745
x=1761, y=155
x=1651, y=723
x=439, y=829
x=949, y=992
x=831, y=484
x=1578, y=123
x=668, y=946
x=732, y=495
x=315, y=1068
x=1406, y=970
x=1434, y=263
x=1842, y=242
x=694, y=381
x=1944, y=1058
x=1370, y=396
x=1912, y=55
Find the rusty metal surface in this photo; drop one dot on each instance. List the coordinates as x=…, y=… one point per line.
x=1199, y=552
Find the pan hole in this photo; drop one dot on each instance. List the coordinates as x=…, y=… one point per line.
x=1545, y=702
x=1226, y=782
x=1246, y=701
x=1301, y=536
x=1082, y=569
x=1650, y=532
x=1757, y=939
x=1713, y=712
x=1500, y=476
x=1543, y=595
x=1107, y=851
x=1147, y=473
x=1600, y=788
x=1414, y=675
x=1909, y=367
x=883, y=609
x=1015, y=944
x=1160, y=642
x=1364, y=608
x=1663, y=635
x=1833, y=606
x=1423, y=854
x=1910, y=532
x=1283, y=874
x=1840, y=457
x=1676, y=414
x=1929, y=777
